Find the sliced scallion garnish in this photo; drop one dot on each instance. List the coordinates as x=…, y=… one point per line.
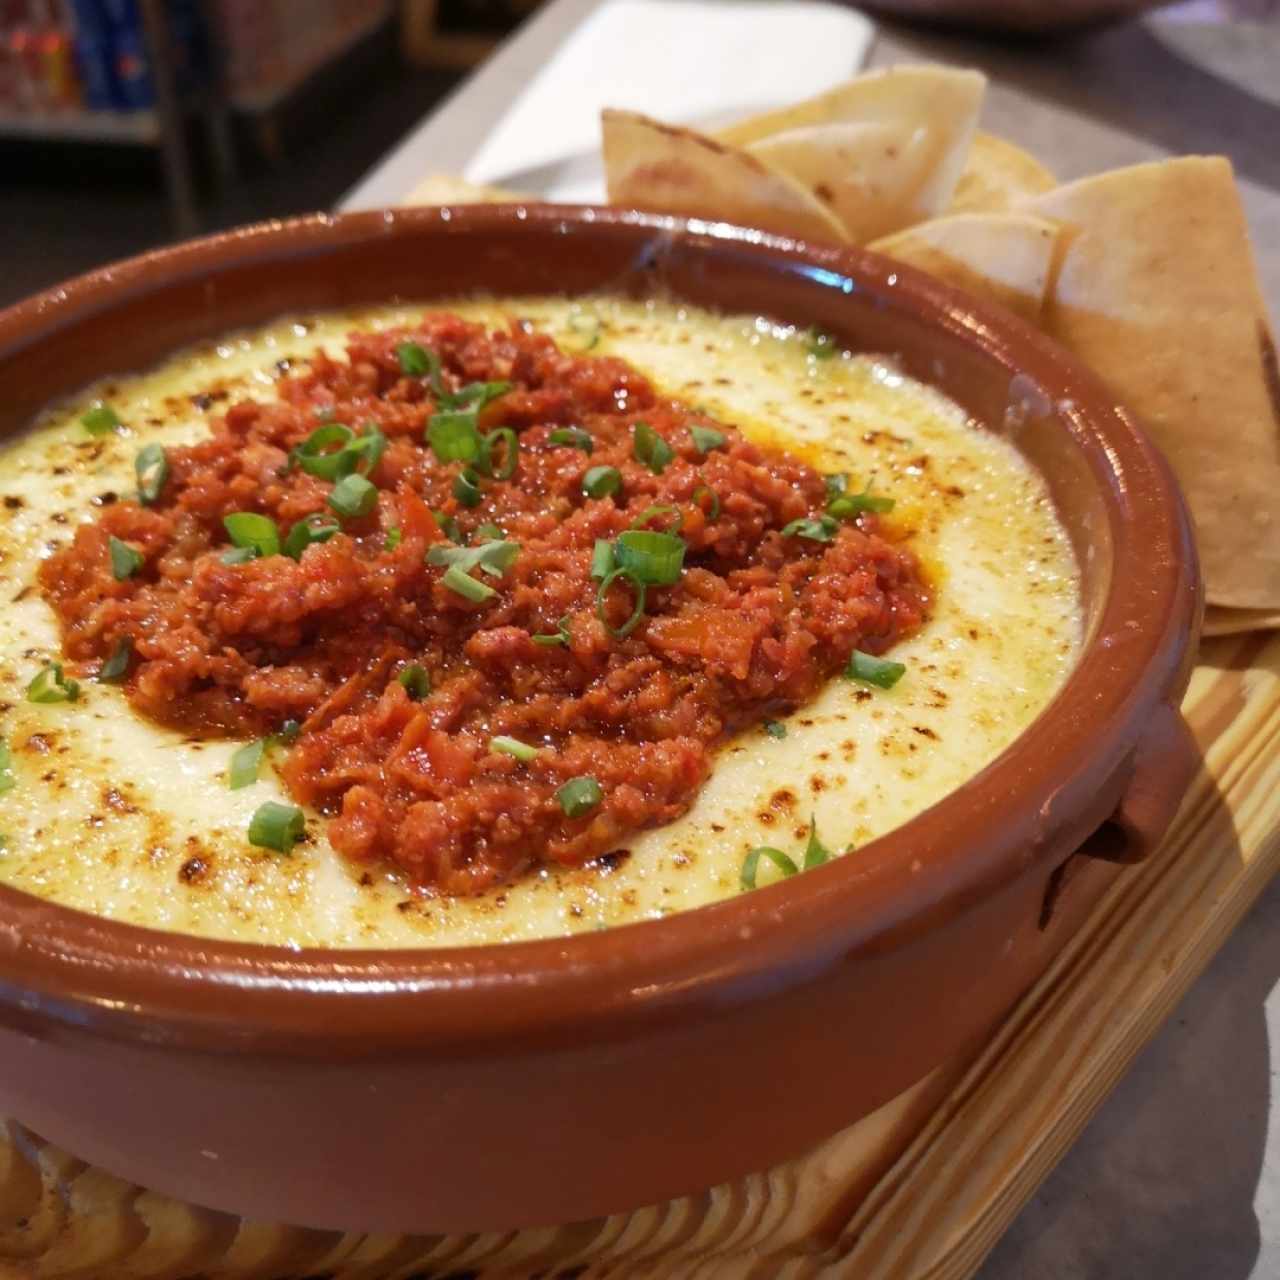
x=836, y=483
x=50, y=685
x=151, y=466
x=513, y=747
x=867, y=669
x=276, y=826
x=707, y=438
x=475, y=395
x=494, y=557
x=324, y=452
x=488, y=532
x=815, y=852
x=415, y=681
x=662, y=509
x=562, y=635
x=447, y=525
x=101, y=419
x=651, y=449
x=353, y=496
x=652, y=559
x=821, y=529
x=774, y=728
x=637, y=610
x=602, y=558
x=392, y=540
x=125, y=560
x=463, y=584
x=848, y=506
x=258, y=534
x=509, y=458
x=417, y=362
x=116, y=666
x=466, y=488
x=245, y=763
x=573, y=438
x=238, y=555
x=705, y=491
x=312, y=528
x=751, y=865
x=579, y=796
x=288, y=734
x=600, y=482
x=820, y=344
x=454, y=437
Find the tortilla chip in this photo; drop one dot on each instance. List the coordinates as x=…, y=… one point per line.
x=448, y=188
x=1219, y=621
x=997, y=176
x=1003, y=257
x=882, y=151
x=667, y=169
x=1157, y=291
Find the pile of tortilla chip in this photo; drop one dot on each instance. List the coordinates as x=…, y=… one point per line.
x=1146, y=273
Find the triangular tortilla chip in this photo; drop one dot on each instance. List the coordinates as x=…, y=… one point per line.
x=448, y=188
x=1003, y=257
x=1157, y=292
x=667, y=169
x=1220, y=621
x=997, y=177
x=882, y=151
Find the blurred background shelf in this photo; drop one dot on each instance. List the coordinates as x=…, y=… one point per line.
x=82, y=126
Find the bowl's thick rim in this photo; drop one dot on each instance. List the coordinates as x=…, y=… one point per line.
x=68, y=967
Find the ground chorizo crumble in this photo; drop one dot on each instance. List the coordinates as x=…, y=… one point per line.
x=440, y=637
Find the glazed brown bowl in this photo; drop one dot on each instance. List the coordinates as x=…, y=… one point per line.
x=557, y=1080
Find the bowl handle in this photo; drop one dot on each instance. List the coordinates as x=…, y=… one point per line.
x=1164, y=762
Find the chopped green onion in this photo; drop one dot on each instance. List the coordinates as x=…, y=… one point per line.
x=562, y=635
x=7, y=780
x=245, y=763
x=637, y=611
x=289, y=731
x=455, y=437
x=815, y=852
x=353, y=496
x=417, y=362
x=494, y=557
x=50, y=685
x=587, y=328
x=447, y=525
x=416, y=682
x=775, y=728
x=652, y=559
x=312, y=528
x=368, y=448
x=707, y=438
x=238, y=555
x=880, y=672
x=461, y=582
x=651, y=449
x=276, y=826
x=324, y=452
x=602, y=558
x=257, y=533
x=849, y=506
x=101, y=420
x=510, y=453
x=573, y=438
x=116, y=666
x=475, y=395
x=579, y=796
x=660, y=509
x=392, y=540
x=823, y=529
x=751, y=865
x=466, y=488
x=513, y=747
x=819, y=344
x=489, y=532
x=125, y=560
x=714, y=513
x=151, y=466
x=600, y=482
x=837, y=483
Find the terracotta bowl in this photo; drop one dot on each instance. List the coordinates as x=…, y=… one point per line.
x=551, y=1081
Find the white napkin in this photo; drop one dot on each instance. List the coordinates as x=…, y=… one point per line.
x=689, y=61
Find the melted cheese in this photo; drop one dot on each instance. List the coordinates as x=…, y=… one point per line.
x=116, y=816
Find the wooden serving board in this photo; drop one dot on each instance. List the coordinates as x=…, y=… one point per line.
x=921, y=1190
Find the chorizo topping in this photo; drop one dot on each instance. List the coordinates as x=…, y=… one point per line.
x=513, y=596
